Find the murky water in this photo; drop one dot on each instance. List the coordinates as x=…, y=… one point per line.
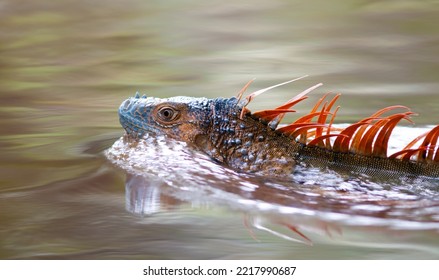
x=65, y=66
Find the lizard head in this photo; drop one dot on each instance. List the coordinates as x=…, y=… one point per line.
x=181, y=118
x=221, y=127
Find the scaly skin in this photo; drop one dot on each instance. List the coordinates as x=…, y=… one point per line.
x=247, y=144
x=214, y=127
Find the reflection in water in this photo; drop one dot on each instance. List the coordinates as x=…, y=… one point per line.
x=145, y=197
x=165, y=173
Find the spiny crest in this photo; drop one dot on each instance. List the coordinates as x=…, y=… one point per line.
x=369, y=136
x=427, y=151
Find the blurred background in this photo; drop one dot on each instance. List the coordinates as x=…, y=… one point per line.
x=65, y=66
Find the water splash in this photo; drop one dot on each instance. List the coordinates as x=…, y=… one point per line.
x=310, y=199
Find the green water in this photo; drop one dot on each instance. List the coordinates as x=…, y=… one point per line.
x=65, y=66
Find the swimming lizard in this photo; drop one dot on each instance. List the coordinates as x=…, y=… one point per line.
x=227, y=131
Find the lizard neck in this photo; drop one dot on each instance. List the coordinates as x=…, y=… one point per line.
x=246, y=144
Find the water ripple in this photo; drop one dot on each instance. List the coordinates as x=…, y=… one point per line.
x=310, y=195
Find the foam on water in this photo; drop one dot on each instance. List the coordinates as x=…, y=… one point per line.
x=309, y=195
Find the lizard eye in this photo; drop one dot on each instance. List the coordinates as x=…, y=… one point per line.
x=168, y=114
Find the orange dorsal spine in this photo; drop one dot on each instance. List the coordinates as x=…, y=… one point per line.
x=369, y=136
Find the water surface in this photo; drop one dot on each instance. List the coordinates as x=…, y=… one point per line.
x=66, y=66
